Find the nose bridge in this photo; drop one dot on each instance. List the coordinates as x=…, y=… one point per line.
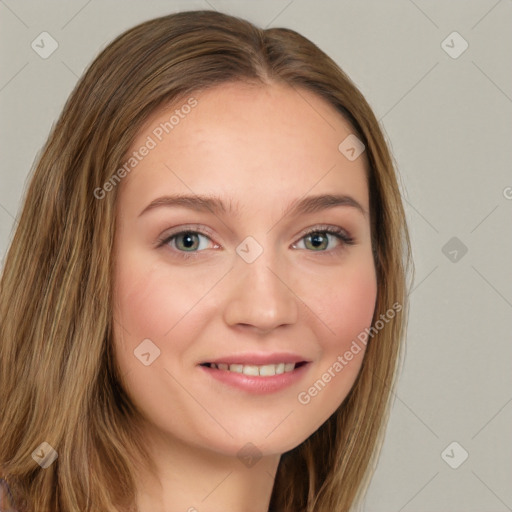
x=258, y=294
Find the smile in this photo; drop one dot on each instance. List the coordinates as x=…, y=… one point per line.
x=255, y=379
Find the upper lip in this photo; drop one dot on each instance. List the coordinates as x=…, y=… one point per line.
x=258, y=358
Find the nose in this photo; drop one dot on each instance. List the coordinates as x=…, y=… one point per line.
x=260, y=297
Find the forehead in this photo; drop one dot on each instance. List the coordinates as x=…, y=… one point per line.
x=252, y=144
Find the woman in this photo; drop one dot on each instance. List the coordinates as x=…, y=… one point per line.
x=171, y=338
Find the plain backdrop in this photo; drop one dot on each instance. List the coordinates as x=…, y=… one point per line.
x=439, y=78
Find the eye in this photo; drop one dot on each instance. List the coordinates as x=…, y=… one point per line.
x=187, y=242
x=318, y=238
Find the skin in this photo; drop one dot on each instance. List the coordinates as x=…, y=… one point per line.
x=259, y=147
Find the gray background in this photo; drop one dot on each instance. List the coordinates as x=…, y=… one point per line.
x=448, y=122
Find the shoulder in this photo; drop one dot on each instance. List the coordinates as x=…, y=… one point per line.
x=6, y=499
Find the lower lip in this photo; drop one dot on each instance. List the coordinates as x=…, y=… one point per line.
x=257, y=385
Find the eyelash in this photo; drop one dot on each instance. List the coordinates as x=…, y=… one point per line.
x=339, y=233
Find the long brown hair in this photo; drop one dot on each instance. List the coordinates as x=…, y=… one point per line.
x=59, y=383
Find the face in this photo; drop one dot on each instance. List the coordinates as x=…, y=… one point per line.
x=260, y=282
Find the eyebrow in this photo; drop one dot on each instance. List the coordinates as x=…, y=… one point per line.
x=216, y=205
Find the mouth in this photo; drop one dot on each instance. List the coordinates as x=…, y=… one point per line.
x=256, y=372
x=252, y=370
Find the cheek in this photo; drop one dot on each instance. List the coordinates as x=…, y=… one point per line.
x=347, y=308
x=138, y=301
x=143, y=307
x=348, y=304
x=149, y=301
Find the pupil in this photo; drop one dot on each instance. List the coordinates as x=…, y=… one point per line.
x=188, y=240
x=317, y=240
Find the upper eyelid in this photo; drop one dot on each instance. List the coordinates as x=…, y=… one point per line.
x=187, y=229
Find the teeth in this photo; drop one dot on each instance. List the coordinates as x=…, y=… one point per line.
x=267, y=370
x=250, y=370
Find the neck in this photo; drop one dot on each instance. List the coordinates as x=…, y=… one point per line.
x=197, y=479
